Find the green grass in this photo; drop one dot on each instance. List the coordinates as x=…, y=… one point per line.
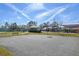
x=5, y=52
x=70, y=35
x=57, y=34
x=9, y=34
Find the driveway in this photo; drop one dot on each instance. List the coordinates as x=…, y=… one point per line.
x=41, y=45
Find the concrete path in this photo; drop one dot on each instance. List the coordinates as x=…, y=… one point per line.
x=41, y=45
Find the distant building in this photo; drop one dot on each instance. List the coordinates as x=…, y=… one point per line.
x=72, y=28
x=47, y=28
x=34, y=29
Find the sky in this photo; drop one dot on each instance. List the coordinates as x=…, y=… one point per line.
x=22, y=13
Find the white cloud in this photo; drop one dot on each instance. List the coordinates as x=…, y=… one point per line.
x=33, y=7
x=18, y=17
x=49, y=12
x=58, y=12
x=36, y=6
x=19, y=11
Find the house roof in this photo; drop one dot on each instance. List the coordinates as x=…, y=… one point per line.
x=72, y=26
x=33, y=26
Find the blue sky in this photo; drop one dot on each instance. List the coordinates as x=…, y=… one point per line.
x=21, y=13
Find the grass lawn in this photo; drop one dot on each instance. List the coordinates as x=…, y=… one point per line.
x=5, y=52
x=8, y=34
x=57, y=34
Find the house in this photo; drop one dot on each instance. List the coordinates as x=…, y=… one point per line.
x=47, y=28
x=34, y=29
x=72, y=28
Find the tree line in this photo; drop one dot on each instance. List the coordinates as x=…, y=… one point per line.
x=47, y=26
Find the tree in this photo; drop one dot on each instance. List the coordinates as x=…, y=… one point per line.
x=31, y=23
x=6, y=25
x=45, y=26
x=55, y=26
x=32, y=27
x=14, y=27
x=23, y=28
